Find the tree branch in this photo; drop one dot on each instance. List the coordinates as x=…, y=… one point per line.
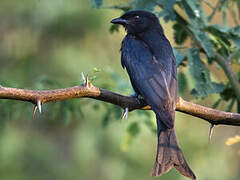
x=89, y=91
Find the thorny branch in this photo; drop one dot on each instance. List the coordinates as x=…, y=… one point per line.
x=129, y=103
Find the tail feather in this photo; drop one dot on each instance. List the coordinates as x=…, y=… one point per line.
x=169, y=154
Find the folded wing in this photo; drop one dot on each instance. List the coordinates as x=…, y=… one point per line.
x=151, y=77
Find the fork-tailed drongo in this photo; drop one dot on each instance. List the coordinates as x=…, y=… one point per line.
x=148, y=57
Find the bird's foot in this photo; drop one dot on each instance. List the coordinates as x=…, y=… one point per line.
x=138, y=97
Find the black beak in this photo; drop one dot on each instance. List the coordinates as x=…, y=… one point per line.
x=119, y=21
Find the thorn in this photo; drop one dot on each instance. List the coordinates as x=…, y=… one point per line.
x=39, y=106
x=83, y=78
x=210, y=132
x=125, y=114
x=87, y=81
x=34, y=111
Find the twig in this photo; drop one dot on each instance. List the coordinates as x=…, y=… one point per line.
x=224, y=63
x=218, y=5
x=209, y=4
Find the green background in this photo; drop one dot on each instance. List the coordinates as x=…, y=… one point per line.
x=46, y=45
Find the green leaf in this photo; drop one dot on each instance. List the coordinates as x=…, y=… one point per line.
x=106, y=119
x=224, y=13
x=204, y=39
x=96, y=70
x=124, y=7
x=96, y=3
x=180, y=35
x=235, y=35
x=220, y=34
x=167, y=11
x=132, y=132
x=219, y=28
x=199, y=72
x=133, y=129
x=236, y=40
x=179, y=56
x=236, y=55
x=194, y=11
x=197, y=20
x=227, y=94
x=144, y=4
x=182, y=82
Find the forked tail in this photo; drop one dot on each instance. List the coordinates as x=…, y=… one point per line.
x=169, y=154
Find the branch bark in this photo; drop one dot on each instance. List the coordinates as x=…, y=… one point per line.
x=37, y=97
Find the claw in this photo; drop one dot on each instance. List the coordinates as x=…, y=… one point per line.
x=210, y=132
x=125, y=114
x=138, y=97
x=39, y=106
x=83, y=78
x=138, y=100
x=34, y=111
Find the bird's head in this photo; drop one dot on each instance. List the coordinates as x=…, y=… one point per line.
x=138, y=21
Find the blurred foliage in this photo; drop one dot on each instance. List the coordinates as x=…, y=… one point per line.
x=233, y=140
x=200, y=74
x=190, y=21
x=47, y=44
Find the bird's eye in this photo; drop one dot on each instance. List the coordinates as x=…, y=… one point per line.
x=136, y=17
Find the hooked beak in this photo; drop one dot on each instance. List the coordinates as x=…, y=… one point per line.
x=119, y=21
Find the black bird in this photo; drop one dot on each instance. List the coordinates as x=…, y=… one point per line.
x=148, y=57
